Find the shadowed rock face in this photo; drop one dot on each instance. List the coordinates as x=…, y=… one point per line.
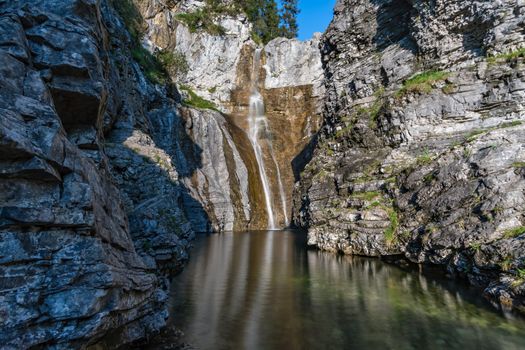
x=79, y=257
x=429, y=167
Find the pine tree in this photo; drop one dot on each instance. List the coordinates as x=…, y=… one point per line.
x=267, y=23
x=272, y=20
x=289, y=12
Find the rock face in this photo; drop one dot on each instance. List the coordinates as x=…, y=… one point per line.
x=422, y=149
x=79, y=258
x=220, y=69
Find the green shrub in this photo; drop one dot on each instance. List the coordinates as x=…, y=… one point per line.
x=202, y=19
x=131, y=17
x=392, y=229
x=151, y=66
x=514, y=232
x=422, y=83
x=518, y=164
x=475, y=246
x=174, y=62
x=506, y=57
x=424, y=158
x=196, y=101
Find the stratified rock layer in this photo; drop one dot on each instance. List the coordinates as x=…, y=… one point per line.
x=422, y=150
x=105, y=176
x=81, y=263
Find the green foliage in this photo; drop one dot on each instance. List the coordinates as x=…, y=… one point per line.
x=424, y=158
x=267, y=22
x=196, y=101
x=131, y=17
x=506, y=264
x=473, y=135
x=422, y=83
x=428, y=178
x=151, y=66
x=514, y=232
x=506, y=57
x=510, y=124
x=154, y=68
x=518, y=164
x=344, y=131
x=449, y=88
x=475, y=246
x=289, y=28
x=367, y=196
x=374, y=110
x=264, y=15
x=322, y=174
x=174, y=62
x=202, y=19
x=392, y=229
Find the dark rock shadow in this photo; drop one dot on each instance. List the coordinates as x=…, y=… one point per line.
x=393, y=19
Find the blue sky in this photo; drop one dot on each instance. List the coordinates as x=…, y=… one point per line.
x=314, y=17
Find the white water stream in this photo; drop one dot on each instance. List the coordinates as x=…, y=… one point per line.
x=258, y=126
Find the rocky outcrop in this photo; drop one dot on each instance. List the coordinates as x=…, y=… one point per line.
x=212, y=59
x=422, y=150
x=292, y=106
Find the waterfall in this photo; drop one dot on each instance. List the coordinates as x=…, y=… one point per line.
x=259, y=130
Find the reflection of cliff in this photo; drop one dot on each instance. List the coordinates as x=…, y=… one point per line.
x=263, y=290
x=421, y=152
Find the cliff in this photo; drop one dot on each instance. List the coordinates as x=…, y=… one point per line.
x=421, y=153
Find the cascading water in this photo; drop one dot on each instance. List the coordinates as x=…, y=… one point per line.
x=258, y=125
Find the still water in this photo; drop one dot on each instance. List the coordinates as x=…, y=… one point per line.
x=265, y=290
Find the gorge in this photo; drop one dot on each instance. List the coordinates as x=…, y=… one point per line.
x=127, y=127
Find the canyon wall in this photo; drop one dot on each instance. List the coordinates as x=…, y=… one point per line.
x=89, y=223
x=422, y=149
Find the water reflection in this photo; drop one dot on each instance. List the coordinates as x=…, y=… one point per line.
x=264, y=290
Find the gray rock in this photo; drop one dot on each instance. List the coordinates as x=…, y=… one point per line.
x=441, y=156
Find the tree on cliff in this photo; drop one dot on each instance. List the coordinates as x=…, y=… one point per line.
x=289, y=12
x=267, y=22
